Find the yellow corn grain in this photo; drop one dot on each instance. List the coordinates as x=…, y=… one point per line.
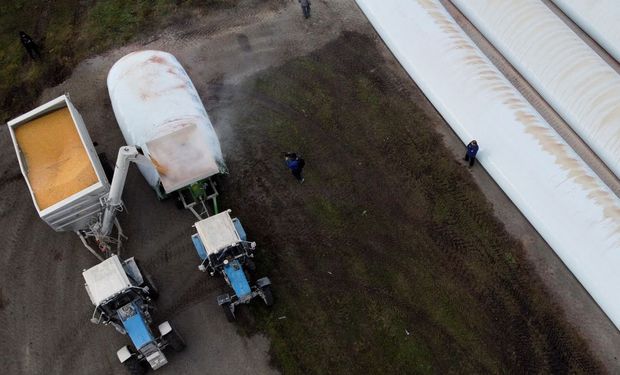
x=57, y=163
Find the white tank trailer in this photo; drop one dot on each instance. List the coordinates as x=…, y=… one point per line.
x=159, y=110
x=60, y=165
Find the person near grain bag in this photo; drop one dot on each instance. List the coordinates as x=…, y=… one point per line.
x=472, y=150
x=295, y=164
x=305, y=7
x=29, y=45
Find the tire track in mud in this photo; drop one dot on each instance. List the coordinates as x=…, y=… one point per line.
x=17, y=229
x=11, y=184
x=195, y=293
x=521, y=324
x=280, y=108
x=389, y=296
x=30, y=352
x=9, y=178
x=72, y=342
x=167, y=252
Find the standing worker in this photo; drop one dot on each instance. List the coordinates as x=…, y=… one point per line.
x=305, y=7
x=472, y=150
x=29, y=45
x=295, y=164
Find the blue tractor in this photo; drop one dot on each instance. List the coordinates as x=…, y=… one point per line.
x=222, y=246
x=123, y=296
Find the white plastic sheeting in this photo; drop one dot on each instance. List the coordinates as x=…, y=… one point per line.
x=571, y=77
x=158, y=108
x=598, y=18
x=559, y=194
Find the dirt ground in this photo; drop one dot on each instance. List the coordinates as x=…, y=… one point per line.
x=44, y=310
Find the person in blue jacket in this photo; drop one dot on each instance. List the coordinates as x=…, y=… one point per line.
x=295, y=164
x=472, y=150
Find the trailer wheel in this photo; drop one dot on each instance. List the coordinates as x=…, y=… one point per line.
x=249, y=275
x=230, y=316
x=175, y=340
x=179, y=203
x=267, y=295
x=135, y=366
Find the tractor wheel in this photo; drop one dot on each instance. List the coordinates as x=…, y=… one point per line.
x=153, y=291
x=175, y=340
x=179, y=203
x=135, y=366
x=268, y=295
x=250, y=264
x=249, y=276
x=230, y=316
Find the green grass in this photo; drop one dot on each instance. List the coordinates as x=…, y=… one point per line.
x=70, y=31
x=388, y=235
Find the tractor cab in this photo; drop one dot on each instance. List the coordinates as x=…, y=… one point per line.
x=222, y=246
x=108, y=311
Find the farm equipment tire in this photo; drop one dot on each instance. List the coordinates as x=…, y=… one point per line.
x=230, y=316
x=250, y=265
x=175, y=340
x=249, y=275
x=179, y=203
x=135, y=366
x=268, y=295
x=153, y=291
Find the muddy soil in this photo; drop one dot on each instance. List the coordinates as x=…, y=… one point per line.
x=44, y=309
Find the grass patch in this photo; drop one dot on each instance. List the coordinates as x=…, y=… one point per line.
x=388, y=259
x=69, y=31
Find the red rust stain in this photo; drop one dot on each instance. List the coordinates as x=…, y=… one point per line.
x=545, y=137
x=157, y=60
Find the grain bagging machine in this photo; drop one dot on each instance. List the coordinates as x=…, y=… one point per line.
x=159, y=110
